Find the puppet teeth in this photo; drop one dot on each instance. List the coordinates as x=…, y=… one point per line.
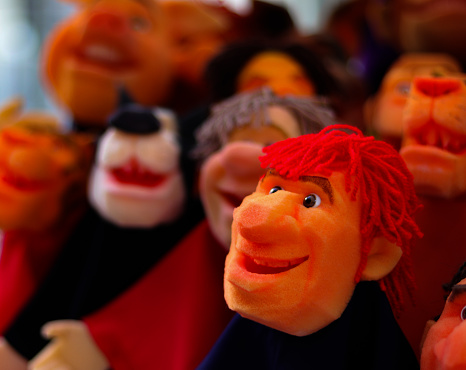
x=102, y=53
x=272, y=263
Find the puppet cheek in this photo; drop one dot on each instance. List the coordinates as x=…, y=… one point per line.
x=451, y=351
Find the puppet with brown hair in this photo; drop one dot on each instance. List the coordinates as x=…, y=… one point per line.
x=316, y=250
x=172, y=316
x=43, y=181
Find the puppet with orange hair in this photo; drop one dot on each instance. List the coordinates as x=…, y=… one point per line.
x=315, y=252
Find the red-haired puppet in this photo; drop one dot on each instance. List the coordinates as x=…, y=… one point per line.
x=182, y=310
x=333, y=214
x=43, y=175
x=433, y=147
x=444, y=347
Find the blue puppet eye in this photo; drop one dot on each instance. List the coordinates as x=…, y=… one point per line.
x=311, y=201
x=275, y=189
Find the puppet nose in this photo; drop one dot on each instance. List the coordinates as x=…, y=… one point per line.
x=268, y=219
x=435, y=87
x=241, y=159
x=451, y=351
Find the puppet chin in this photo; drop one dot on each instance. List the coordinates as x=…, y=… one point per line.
x=135, y=206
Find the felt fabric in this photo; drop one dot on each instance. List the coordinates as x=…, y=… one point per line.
x=99, y=262
x=25, y=259
x=366, y=336
x=173, y=315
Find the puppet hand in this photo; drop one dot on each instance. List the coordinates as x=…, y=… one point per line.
x=72, y=348
x=9, y=358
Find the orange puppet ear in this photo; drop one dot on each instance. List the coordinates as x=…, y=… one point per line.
x=381, y=260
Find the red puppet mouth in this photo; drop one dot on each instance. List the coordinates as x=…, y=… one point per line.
x=440, y=138
x=22, y=183
x=268, y=266
x=233, y=199
x=134, y=174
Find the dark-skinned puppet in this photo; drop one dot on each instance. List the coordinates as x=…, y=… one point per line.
x=444, y=347
x=316, y=251
x=384, y=110
x=183, y=310
x=433, y=147
x=139, y=194
x=43, y=181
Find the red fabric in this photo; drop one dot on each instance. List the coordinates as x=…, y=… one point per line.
x=25, y=258
x=172, y=317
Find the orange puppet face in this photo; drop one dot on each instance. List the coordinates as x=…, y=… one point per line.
x=230, y=174
x=434, y=136
x=285, y=268
x=390, y=100
x=105, y=45
x=445, y=343
x=278, y=71
x=37, y=167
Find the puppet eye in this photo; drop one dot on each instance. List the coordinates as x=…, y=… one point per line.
x=403, y=88
x=311, y=201
x=275, y=189
x=139, y=24
x=463, y=313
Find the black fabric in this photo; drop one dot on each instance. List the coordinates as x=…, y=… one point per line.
x=366, y=336
x=99, y=261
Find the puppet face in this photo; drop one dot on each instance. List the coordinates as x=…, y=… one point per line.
x=294, y=254
x=391, y=98
x=37, y=168
x=136, y=181
x=278, y=71
x=445, y=343
x=104, y=46
x=434, y=141
x=230, y=174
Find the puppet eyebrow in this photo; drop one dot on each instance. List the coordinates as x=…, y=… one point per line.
x=322, y=182
x=457, y=290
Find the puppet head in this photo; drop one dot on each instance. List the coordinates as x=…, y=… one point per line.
x=136, y=180
x=104, y=45
x=231, y=140
x=43, y=171
x=434, y=135
x=334, y=208
x=384, y=111
x=444, y=346
x=286, y=68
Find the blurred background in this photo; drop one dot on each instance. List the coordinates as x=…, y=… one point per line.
x=26, y=23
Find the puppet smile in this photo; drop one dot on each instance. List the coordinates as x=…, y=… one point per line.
x=440, y=138
x=134, y=174
x=268, y=266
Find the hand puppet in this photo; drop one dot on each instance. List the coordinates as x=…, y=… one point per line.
x=385, y=108
x=444, y=346
x=433, y=147
x=135, y=221
x=43, y=176
x=330, y=221
x=188, y=282
x=103, y=46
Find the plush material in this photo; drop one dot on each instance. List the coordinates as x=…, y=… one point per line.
x=107, y=253
x=103, y=46
x=44, y=174
x=444, y=346
x=180, y=314
x=385, y=109
x=366, y=336
x=433, y=148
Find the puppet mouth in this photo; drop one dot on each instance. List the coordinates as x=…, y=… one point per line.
x=233, y=199
x=440, y=138
x=104, y=56
x=134, y=174
x=268, y=266
x=22, y=183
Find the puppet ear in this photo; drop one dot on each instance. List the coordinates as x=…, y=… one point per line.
x=381, y=260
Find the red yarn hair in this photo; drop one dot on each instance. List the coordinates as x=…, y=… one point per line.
x=372, y=168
